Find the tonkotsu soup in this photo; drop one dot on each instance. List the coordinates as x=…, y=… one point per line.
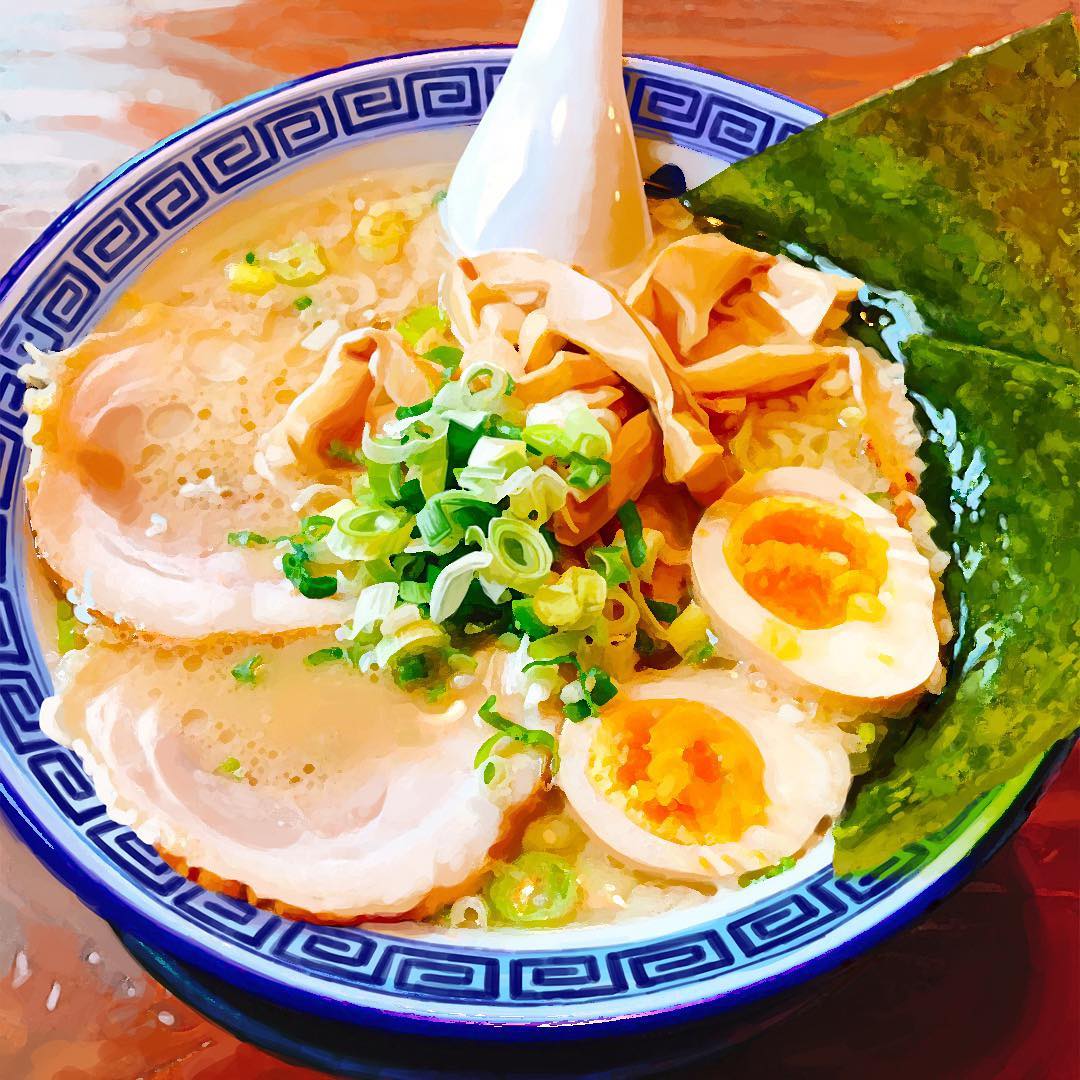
x=481, y=592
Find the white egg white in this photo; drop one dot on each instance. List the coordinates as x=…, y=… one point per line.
x=806, y=779
x=352, y=798
x=884, y=658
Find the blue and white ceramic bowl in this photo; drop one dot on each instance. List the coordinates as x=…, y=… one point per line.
x=509, y=985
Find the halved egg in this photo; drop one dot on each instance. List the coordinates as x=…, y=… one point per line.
x=818, y=584
x=331, y=793
x=687, y=774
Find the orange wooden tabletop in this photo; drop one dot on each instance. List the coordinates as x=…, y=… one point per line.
x=985, y=986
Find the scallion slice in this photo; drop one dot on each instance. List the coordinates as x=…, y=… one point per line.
x=247, y=671
x=610, y=563
x=630, y=520
x=536, y=889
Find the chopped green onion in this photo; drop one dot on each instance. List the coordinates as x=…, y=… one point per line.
x=598, y=686
x=344, y=453
x=415, y=592
x=294, y=565
x=324, y=656
x=411, y=670
x=229, y=767
x=374, y=604
x=536, y=494
x=574, y=601
x=302, y=303
x=526, y=736
x=451, y=586
x=519, y=555
x=610, y=563
x=247, y=671
x=536, y=889
x=446, y=516
x=630, y=520
x=665, y=612
x=576, y=711
x=417, y=323
x=548, y=440
x=368, y=531
x=315, y=527
x=405, y=411
x=247, y=538
x=587, y=473
x=446, y=355
x=460, y=442
x=438, y=197
x=554, y=661
x=700, y=653
x=527, y=621
x=69, y=632
x=249, y=258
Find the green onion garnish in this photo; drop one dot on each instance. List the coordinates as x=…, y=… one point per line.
x=405, y=411
x=348, y=454
x=576, y=711
x=247, y=671
x=599, y=687
x=664, y=612
x=414, y=592
x=587, y=473
x=69, y=632
x=315, y=527
x=417, y=323
x=294, y=566
x=325, y=656
x=536, y=889
x=610, y=563
x=411, y=670
x=302, y=303
x=247, y=538
x=446, y=355
x=547, y=440
x=526, y=620
x=249, y=258
x=438, y=197
x=229, y=767
x=630, y=520
x=510, y=730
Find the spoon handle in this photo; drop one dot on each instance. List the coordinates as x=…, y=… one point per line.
x=553, y=166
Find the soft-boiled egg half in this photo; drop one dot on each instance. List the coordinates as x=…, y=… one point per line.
x=817, y=584
x=701, y=791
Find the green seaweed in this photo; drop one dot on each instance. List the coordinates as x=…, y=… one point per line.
x=1003, y=462
x=961, y=188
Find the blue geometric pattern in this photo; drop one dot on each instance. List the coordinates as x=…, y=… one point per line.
x=55, y=293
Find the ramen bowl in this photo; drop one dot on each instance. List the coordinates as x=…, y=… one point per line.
x=719, y=957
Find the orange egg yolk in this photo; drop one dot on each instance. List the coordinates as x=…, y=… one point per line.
x=680, y=769
x=811, y=564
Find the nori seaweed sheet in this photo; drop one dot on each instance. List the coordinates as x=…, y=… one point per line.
x=961, y=188
x=1003, y=482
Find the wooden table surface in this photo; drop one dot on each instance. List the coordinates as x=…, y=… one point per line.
x=985, y=986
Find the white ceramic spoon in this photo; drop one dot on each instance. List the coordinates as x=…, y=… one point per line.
x=553, y=167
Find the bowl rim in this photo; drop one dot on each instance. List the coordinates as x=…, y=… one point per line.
x=404, y=1013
